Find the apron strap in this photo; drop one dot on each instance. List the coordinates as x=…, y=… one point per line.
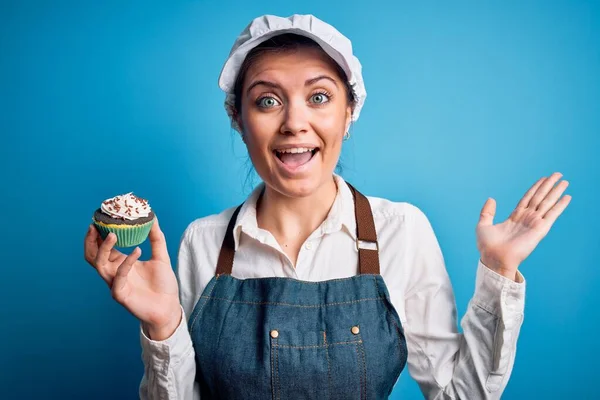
x=225, y=262
x=368, y=258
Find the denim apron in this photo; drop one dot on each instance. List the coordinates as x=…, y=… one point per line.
x=283, y=338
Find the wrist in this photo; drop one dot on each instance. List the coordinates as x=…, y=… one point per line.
x=165, y=331
x=510, y=274
x=507, y=271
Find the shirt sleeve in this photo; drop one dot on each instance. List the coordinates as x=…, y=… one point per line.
x=477, y=363
x=170, y=364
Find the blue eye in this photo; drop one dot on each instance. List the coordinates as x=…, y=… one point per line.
x=319, y=98
x=267, y=102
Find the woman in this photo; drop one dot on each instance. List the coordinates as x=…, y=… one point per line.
x=309, y=289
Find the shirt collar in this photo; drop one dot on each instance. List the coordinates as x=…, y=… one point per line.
x=341, y=216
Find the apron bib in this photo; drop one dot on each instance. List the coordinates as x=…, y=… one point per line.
x=282, y=338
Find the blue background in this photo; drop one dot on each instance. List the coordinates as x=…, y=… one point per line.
x=466, y=100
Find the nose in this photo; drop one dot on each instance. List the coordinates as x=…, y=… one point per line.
x=295, y=118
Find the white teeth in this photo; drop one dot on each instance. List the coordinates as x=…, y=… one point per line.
x=295, y=150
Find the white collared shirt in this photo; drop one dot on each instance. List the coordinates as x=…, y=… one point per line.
x=475, y=364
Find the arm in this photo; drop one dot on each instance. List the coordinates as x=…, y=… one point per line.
x=170, y=364
x=478, y=363
x=448, y=365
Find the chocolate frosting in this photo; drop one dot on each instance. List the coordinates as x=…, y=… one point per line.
x=107, y=219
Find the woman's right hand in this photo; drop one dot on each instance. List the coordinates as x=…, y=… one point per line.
x=147, y=289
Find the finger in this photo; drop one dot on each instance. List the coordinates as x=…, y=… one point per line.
x=102, y=262
x=105, y=248
x=486, y=217
x=119, y=283
x=557, y=209
x=90, y=244
x=529, y=194
x=158, y=243
x=115, y=255
x=551, y=198
x=543, y=190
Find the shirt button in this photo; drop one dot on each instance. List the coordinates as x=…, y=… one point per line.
x=274, y=334
x=308, y=246
x=355, y=330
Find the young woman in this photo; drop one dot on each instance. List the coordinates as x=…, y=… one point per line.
x=310, y=289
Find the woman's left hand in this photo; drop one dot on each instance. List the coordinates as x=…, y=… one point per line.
x=505, y=245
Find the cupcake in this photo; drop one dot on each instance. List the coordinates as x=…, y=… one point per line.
x=127, y=216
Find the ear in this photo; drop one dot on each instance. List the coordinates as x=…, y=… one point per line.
x=348, y=118
x=235, y=116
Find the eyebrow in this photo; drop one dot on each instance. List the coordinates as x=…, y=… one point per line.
x=276, y=86
x=318, y=78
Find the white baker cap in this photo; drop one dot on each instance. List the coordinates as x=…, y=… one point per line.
x=336, y=45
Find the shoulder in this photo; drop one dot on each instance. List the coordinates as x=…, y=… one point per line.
x=399, y=219
x=395, y=211
x=402, y=223
x=203, y=228
x=199, y=247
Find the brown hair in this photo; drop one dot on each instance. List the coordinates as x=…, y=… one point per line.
x=284, y=43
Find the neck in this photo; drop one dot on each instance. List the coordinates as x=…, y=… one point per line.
x=291, y=219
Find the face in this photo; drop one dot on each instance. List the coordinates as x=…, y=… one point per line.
x=294, y=115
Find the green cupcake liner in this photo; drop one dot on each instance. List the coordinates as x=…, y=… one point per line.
x=127, y=235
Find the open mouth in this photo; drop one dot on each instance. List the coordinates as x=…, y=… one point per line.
x=296, y=157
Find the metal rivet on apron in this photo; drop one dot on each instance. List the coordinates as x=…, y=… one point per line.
x=355, y=330
x=274, y=334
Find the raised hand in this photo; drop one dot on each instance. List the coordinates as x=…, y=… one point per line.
x=147, y=289
x=504, y=246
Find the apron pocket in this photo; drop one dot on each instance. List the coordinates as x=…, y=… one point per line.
x=318, y=364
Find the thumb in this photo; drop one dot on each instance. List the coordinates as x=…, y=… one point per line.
x=158, y=243
x=486, y=217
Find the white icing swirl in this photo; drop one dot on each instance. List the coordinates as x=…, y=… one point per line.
x=126, y=206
